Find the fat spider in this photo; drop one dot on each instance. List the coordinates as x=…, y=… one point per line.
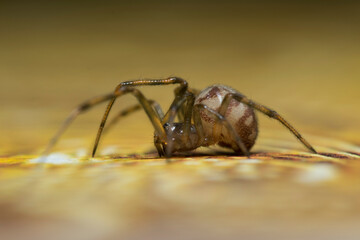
x=216, y=115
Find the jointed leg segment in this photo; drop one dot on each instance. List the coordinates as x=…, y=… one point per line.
x=155, y=114
x=77, y=111
x=124, y=87
x=132, y=109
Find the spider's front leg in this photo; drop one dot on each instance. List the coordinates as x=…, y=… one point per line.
x=146, y=105
x=133, y=109
x=126, y=87
x=76, y=112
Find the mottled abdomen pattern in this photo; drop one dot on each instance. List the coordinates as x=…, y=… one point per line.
x=241, y=117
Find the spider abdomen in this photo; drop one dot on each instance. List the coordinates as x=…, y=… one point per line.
x=241, y=117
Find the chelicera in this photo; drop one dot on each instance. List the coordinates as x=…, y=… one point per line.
x=216, y=115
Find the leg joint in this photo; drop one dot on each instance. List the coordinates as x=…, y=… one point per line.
x=273, y=114
x=84, y=106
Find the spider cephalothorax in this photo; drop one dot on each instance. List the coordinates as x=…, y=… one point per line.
x=216, y=115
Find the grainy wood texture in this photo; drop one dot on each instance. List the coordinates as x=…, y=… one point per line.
x=302, y=59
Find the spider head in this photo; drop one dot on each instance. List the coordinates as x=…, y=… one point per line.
x=176, y=139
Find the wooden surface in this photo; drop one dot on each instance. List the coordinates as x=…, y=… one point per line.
x=278, y=191
x=300, y=59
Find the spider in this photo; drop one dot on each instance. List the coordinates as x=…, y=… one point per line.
x=216, y=115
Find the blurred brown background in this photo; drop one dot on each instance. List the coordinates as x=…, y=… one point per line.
x=301, y=58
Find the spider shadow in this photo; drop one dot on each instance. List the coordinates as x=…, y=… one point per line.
x=223, y=154
x=209, y=153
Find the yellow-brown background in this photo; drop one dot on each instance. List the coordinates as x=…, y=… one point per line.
x=301, y=58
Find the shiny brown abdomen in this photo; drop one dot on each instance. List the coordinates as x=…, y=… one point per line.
x=241, y=117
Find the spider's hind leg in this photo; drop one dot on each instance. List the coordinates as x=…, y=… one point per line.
x=265, y=110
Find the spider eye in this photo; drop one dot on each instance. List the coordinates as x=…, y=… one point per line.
x=170, y=127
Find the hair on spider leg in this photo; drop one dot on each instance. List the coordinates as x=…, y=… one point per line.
x=216, y=115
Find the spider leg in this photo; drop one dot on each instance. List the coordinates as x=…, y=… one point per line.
x=265, y=110
x=180, y=94
x=130, y=110
x=133, y=109
x=181, y=113
x=173, y=109
x=219, y=119
x=152, y=114
x=111, y=96
x=123, y=87
x=188, y=113
x=77, y=111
